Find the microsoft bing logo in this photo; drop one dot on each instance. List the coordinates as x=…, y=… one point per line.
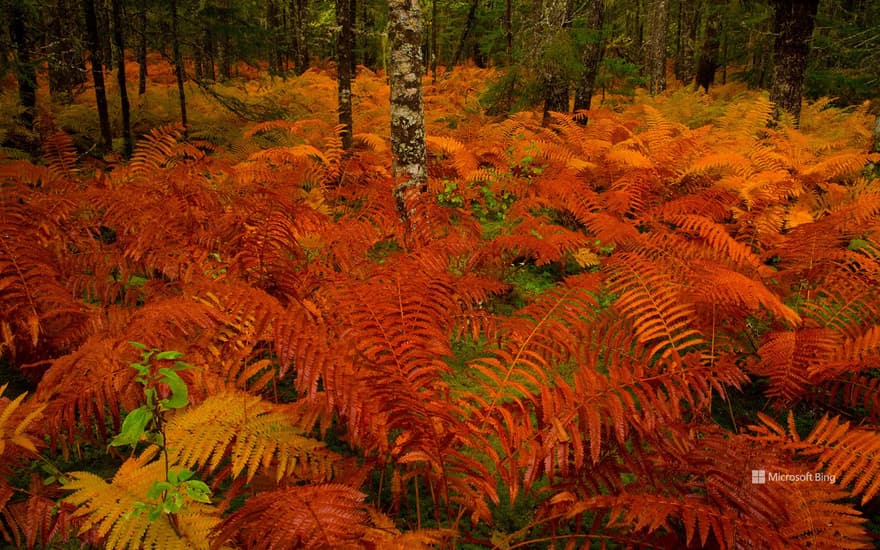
x=759, y=477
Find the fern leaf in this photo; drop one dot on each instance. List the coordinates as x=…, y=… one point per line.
x=308, y=517
x=109, y=508
x=248, y=431
x=653, y=301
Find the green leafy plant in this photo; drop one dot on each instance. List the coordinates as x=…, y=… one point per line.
x=148, y=422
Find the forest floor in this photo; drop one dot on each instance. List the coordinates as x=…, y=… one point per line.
x=610, y=324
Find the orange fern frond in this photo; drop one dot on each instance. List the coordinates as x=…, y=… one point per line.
x=308, y=517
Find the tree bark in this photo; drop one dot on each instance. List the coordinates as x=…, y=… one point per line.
x=657, y=43
x=119, y=43
x=555, y=19
x=689, y=22
x=591, y=57
x=468, y=25
x=708, y=63
x=343, y=69
x=300, y=10
x=96, y=60
x=142, y=48
x=435, y=47
x=178, y=65
x=409, y=158
x=793, y=25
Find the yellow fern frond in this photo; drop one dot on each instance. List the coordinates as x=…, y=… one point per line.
x=13, y=428
x=250, y=432
x=110, y=508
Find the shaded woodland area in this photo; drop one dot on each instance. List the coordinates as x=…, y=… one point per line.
x=466, y=274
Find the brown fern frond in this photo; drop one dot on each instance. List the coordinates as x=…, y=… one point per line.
x=309, y=517
x=850, y=456
x=789, y=358
x=157, y=150
x=733, y=292
x=61, y=156
x=653, y=301
x=720, y=241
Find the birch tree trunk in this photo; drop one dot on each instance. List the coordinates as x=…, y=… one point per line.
x=409, y=158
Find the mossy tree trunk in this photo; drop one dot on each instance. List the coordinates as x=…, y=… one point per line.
x=657, y=44
x=793, y=25
x=409, y=158
x=591, y=56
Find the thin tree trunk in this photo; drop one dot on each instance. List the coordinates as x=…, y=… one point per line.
x=708, y=64
x=142, y=48
x=435, y=48
x=300, y=10
x=689, y=22
x=343, y=69
x=408, y=153
x=468, y=25
x=793, y=25
x=178, y=64
x=657, y=43
x=508, y=33
x=119, y=42
x=96, y=61
x=555, y=18
x=591, y=57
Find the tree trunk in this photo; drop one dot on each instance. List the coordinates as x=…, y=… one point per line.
x=24, y=67
x=656, y=47
x=591, y=57
x=508, y=32
x=708, y=63
x=96, y=60
x=223, y=54
x=343, y=69
x=142, y=48
x=435, y=47
x=689, y=22
x=409, y=158
x=119, y=43
x=793, y=26
x=468, y=25
x=178, y=65
x=300, y=10
x=555, y=19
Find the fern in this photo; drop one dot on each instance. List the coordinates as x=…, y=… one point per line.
x=248, y=432
x=109, y=509
x=310, y=516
